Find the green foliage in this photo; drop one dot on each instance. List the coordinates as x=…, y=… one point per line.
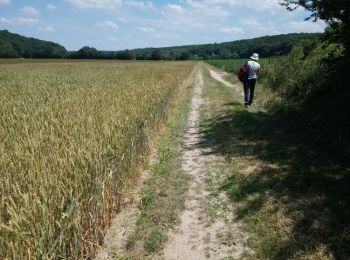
x=335, y=12
x=131, y=241
x=125, y=55
x=164, y=193
x=310, y=84
x=7, y=50
x=293, y=198
x=266, y=46
x=156, y=54
x=328, y=10
x=298, y=77
x=86, y=53
x=15, y=46
x=234, y=64
x=183, y=56
x=155, y=240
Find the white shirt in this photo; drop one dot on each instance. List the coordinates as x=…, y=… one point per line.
x=254, y=68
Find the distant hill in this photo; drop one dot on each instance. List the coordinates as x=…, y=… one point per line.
x=266, y=46
x=17, y=46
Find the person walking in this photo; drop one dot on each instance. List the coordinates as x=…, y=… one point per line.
x=249, y=85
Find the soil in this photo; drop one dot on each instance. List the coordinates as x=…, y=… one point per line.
x=208, y=227
x=200, y=235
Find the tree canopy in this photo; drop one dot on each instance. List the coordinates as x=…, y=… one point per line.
x=16, y=46
x=266, y=46
x=335, y=12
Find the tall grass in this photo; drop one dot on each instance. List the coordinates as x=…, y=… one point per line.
x=72, y=135
x=234, y=65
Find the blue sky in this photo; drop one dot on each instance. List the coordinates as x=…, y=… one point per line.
x=129, y=24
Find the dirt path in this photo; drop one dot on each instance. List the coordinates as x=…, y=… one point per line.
x=219, y=76
x=208, y=226
x=207, y=221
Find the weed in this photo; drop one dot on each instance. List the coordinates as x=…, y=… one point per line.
x=293, y=197
x=155, y=240
x=131, y=241
x=165, y=191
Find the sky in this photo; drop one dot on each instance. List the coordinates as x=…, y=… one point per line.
x=130, y=24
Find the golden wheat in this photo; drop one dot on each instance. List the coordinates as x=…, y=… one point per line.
x=72, y=134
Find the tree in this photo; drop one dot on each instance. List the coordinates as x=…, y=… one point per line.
x=185, y=55
x=7, y=50
x=172, y=55
x=126, y=55
x=335, y=12
x=156, y=54
x=224, y=53
x=87, y=53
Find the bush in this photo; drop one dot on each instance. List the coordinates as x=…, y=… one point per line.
x=310, y=87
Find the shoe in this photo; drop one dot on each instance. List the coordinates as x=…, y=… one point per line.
x=246, y=105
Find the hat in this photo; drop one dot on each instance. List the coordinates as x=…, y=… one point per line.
x=255, y=57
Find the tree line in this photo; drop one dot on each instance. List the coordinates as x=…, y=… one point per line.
x=17, y=46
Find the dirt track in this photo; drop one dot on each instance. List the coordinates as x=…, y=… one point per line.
x=199, y=235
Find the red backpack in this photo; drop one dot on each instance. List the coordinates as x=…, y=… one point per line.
x=242, y=74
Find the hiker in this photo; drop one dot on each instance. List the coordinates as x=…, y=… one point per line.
x=249, y=85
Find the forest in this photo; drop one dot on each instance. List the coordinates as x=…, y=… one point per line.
x=266, y=46
x=17, y=46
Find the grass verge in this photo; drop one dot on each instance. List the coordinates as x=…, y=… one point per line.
x=293, y=198
x=164, y=193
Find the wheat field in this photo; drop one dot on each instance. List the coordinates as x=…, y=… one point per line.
x=73, y=134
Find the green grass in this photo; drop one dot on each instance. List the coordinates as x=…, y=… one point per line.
x=164, y=193
x=293, y=198
x=235, y=64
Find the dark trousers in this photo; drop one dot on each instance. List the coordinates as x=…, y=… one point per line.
x=249, y=88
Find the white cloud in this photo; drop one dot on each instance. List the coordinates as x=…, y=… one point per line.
x=30, y=10
x=257, y=5
x=255, y=25
x=107, y=25
x=218, y=12
x=5, y=1
x=216, y=8
x=263, y=5
x=174, y=9
x=305, y=26
x=232, y=30
x=46, y=29
x=166, y=35
x=18, y=21
x=258, y=28
x=95, y=4
x=140, y=5
x=123, y=20
x=146, y=29
x=51, y=7
x=113, y=39
x=206, y=3
x=197, y=25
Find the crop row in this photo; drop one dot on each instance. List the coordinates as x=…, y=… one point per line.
x=73, y=134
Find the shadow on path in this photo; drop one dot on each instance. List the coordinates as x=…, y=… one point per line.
x=304, y=183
